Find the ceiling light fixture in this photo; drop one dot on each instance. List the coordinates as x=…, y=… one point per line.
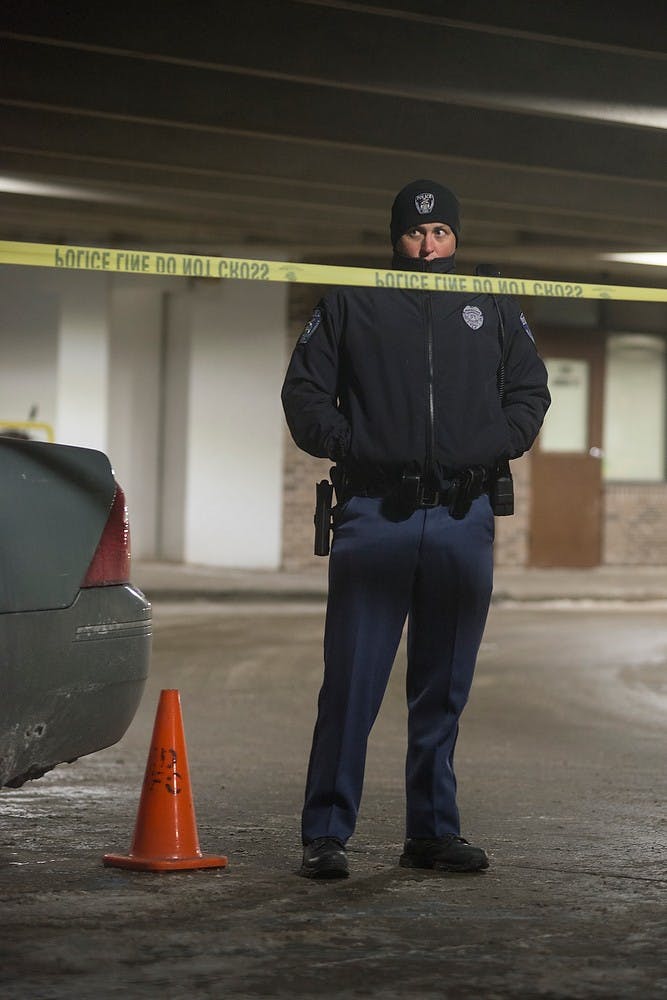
x=47, y=189
x=657, y=258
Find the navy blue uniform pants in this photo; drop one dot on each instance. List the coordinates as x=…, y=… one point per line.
x=438, y=573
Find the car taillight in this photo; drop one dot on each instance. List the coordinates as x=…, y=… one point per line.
x=111, y=562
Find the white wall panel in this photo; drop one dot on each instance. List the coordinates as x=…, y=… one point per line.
x=28, y=344
x=234, y=471
x=134, y=403
x=82, y=375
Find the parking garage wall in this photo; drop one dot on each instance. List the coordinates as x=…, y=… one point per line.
x=143, y=368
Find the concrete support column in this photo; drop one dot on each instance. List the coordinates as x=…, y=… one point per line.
x=174, y=425
x=234, y=468
x=29, y=311
x=135, y=403
x=83, y=361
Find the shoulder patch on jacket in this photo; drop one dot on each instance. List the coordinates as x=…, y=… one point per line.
x=524, y=324
x=311, y=326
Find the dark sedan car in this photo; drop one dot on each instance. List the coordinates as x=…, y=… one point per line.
x=75, y=635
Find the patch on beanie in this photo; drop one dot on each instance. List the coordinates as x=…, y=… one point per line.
x=424, y=202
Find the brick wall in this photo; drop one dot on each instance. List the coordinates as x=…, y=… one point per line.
x=635, y=524
x=512, y=533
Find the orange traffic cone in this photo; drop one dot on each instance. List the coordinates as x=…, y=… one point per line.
x=165, y=835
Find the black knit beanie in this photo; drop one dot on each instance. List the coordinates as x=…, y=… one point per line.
x=423, y=201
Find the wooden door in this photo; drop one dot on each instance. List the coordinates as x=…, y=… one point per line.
x=566, y=511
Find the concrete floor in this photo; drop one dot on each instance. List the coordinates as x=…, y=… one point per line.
x=561, y=764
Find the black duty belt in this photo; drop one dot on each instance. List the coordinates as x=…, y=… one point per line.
x=412, y=492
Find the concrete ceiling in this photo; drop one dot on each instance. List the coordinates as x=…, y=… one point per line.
x=210, y=126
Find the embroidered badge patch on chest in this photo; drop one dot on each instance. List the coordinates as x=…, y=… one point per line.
x=473, y=316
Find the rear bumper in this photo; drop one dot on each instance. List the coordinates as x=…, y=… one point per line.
x=72, y=678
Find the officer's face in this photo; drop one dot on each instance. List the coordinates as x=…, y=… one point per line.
x=430, y=240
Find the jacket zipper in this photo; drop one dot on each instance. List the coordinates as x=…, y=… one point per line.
x=430, y=435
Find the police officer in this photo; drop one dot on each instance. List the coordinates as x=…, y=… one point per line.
x=417, y=396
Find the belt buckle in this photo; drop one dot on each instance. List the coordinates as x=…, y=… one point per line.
x=427, y=498
x=415, y=494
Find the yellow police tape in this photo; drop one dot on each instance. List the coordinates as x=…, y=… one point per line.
x=199, y=266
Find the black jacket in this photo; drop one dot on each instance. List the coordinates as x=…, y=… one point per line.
x=386, y=380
